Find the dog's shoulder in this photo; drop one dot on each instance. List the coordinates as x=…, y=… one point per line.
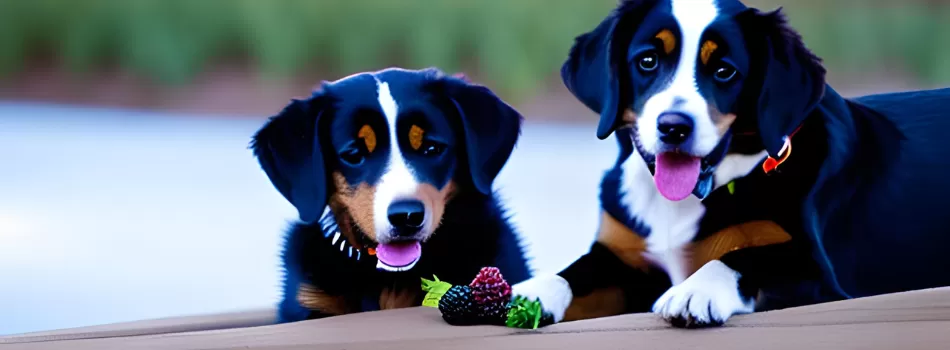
x=511, y=257
x=310, y=256
x=480, y=226
x=613, y=190
x=307, y=261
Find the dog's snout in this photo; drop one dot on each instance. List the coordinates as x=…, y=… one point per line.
x=407, y=216
x=674, y=128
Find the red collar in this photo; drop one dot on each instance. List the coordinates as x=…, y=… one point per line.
x=771, y=163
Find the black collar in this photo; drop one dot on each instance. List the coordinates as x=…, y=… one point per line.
x=333, y=237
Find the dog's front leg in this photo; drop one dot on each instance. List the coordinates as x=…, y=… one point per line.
x=730, y=285
x=400, y=295
x=612, y=278
x=708, y=297
x=320, y=303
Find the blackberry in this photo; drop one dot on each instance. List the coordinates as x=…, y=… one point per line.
x=458, y=306
x=493, y=314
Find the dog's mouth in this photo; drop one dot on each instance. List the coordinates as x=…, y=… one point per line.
x=395, y=255
x=678, y=174
x=398, y=256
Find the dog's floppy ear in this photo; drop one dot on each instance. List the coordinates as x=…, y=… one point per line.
x=289, y=152
x=491, y=129
x=596, y=62
x=791, y=79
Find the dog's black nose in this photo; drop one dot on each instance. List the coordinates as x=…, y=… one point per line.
x=674, y=128
x=407, y=216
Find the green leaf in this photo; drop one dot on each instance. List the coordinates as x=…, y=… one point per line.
x=434, y=291
x=524, y=313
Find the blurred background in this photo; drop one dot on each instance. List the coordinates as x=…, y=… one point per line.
x=126, y=187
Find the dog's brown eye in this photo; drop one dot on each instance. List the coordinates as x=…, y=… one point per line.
x=649, y=61
x=369, y=137
x=353, y=156
x=415, y=136
x=725, y=73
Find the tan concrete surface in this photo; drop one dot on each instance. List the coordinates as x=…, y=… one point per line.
x=905, y=321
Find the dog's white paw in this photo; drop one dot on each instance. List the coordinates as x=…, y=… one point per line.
x=553, y=291
x=708, y=297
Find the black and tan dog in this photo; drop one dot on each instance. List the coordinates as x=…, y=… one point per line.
x=391, y=173
x=707, y=212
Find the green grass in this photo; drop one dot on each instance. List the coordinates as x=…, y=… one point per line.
x=514, y=44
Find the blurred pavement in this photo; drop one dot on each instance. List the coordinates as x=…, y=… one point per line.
x=100, y=222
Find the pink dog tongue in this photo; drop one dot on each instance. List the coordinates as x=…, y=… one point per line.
x=676, y=175
x=399, y=254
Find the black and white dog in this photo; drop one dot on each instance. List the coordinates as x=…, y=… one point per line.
x=708, y=212
x=383, y=167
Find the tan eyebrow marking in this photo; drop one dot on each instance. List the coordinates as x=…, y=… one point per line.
x=706, y=52
x=415, y=137
x=369, y=137
x=669, y=41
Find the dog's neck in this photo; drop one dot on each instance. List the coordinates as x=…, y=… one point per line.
x=834, y=138
x=340, y=232
x=839, y=138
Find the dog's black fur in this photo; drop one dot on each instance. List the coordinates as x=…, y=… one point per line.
x=863, y=196
x=303, y=146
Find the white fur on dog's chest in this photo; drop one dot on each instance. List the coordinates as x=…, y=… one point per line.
x=672, y=225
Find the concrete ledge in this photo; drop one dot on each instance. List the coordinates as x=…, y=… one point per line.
x=904, y=321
